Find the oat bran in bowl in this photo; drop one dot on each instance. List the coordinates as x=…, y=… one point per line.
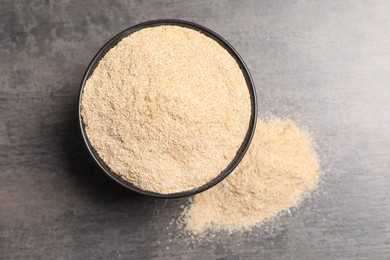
x=167, y=108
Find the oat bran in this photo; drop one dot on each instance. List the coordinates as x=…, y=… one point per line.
x=279, y=169
x=166, y=109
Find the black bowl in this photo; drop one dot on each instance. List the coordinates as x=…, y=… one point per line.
x=241, y=152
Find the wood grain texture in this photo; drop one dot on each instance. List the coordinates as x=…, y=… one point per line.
x=325, y=64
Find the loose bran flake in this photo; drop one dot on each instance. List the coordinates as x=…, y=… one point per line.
x=166, y=109
x=279, y=168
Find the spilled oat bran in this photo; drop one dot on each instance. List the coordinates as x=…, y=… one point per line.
x=279, y=169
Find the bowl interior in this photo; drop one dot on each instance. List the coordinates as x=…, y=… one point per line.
x=252, y=124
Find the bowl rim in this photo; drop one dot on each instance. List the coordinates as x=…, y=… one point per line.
x=251, y=87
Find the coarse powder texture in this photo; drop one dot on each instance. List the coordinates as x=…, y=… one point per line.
x=166, y=109
x=278, y=170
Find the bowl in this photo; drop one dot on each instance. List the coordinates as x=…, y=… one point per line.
x=252, y=124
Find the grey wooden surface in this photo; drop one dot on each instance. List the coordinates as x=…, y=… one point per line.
x=326, y=64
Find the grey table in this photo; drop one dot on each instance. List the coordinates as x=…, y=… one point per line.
x=325, y=64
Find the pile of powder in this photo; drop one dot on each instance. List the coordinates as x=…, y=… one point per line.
x=278, y=170
x=166, y=109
